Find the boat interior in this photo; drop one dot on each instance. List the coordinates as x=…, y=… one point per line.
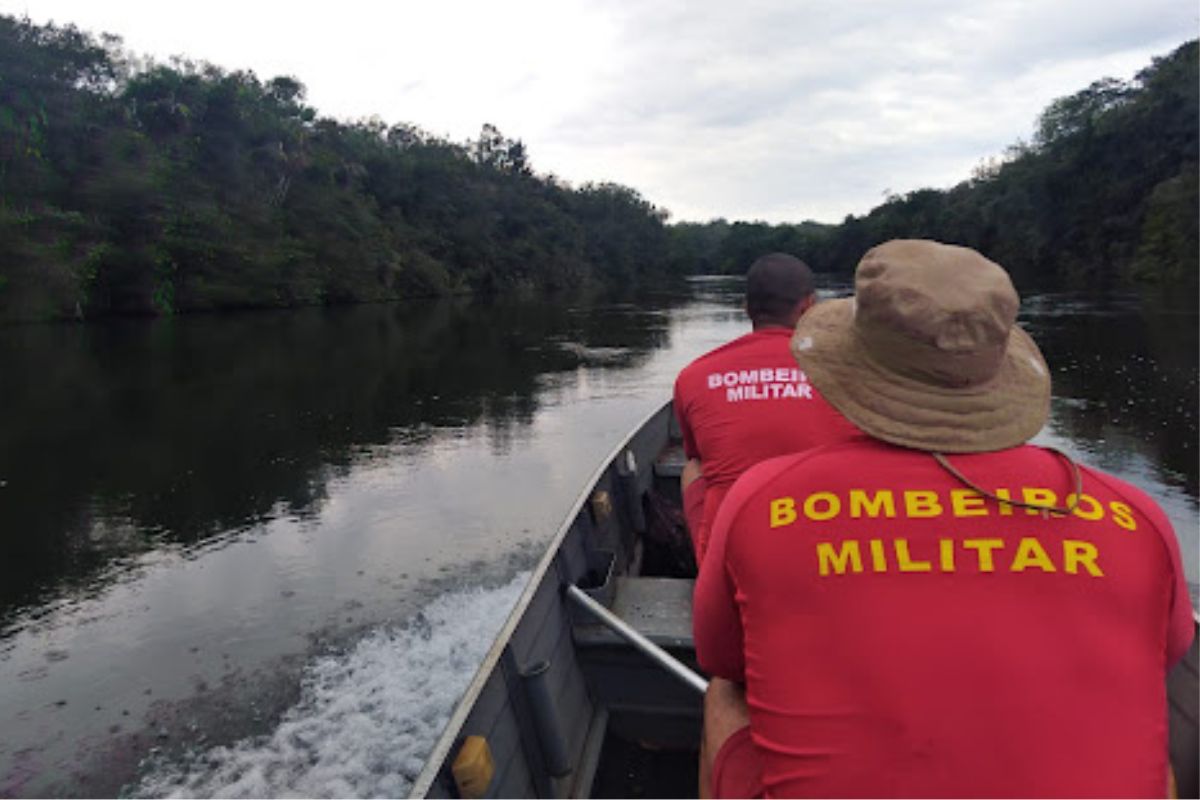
x=563, y=706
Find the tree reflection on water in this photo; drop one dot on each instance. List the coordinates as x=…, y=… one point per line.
x=130, y=435
x=1125, y=376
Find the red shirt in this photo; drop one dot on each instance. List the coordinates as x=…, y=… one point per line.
x=745, y=402
x=899, y=634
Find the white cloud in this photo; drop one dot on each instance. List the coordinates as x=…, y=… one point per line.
x=772, y=109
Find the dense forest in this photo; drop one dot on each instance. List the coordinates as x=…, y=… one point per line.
x=129, y=188
x=133, y=187
x=1105, y=195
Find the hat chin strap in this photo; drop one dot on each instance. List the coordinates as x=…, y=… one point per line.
x=1071, y=505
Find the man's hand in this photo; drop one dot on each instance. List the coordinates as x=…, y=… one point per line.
x=725, y=713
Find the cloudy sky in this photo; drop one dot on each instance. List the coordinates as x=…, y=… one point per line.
x=779, y=110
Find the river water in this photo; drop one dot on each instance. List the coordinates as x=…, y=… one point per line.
x=260, y=554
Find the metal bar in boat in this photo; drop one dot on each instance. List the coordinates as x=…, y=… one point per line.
x=640, y=642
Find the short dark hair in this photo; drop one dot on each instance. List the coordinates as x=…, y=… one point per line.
x=775, y=283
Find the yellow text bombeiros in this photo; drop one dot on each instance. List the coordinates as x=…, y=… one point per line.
x=924, y=504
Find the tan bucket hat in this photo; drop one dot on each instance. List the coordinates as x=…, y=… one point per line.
x=927, y=354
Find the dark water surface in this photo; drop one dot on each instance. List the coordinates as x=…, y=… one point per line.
x=260, y=554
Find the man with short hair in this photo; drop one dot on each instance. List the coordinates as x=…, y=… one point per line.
x=746, y=400
x=941, y=609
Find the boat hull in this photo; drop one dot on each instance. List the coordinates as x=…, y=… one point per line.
x=555, y=683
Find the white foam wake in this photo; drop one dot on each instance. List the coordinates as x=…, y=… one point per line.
x=367, y=719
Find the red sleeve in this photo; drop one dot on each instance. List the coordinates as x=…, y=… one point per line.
x=716, y=617
x=1181, y=622
x=680, y=405
x=716, y=622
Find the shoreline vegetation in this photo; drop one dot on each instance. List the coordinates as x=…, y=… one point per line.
x=129, y=187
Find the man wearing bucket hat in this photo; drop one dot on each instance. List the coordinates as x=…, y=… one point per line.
x=747, y=401
x=941, y=609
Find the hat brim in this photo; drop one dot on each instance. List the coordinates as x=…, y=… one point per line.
x=1005, y=411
